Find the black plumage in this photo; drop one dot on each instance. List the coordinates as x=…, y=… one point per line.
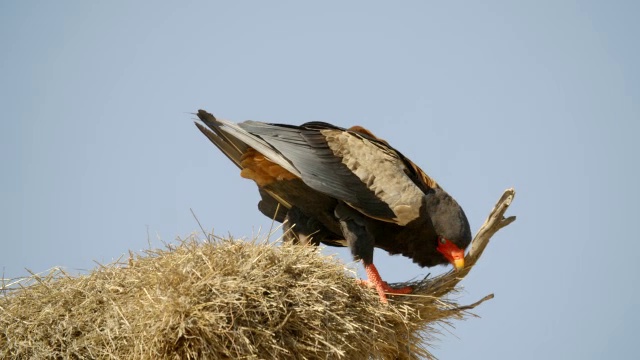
x=345, y=187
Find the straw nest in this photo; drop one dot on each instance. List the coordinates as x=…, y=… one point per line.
x=219, y=299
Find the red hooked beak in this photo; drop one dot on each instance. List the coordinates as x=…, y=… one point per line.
x=454, y=254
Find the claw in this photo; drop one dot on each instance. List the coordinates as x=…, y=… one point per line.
x=375, y=281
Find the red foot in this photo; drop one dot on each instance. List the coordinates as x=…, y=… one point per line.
x=375, y=281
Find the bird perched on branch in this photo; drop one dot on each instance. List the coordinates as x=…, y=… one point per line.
x=345, y=187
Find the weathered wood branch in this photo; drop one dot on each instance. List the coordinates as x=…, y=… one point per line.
x=447, y=282
x=494, y=222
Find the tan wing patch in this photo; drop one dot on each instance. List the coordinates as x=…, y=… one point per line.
x=381, y=170
x=263, y=171
x=361, y=130
x=423, y=176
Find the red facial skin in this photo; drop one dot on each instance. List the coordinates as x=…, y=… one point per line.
x=454, y=254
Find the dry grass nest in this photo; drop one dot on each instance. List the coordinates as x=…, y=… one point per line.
x=228, y=299
x=219, y=299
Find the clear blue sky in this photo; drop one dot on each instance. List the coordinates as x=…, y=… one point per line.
x=97, y=143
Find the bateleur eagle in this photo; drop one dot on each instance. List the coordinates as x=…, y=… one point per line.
x=345, y=187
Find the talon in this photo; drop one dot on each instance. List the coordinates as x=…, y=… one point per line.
x=375, y=281
x=397, y=291
x=386, y=287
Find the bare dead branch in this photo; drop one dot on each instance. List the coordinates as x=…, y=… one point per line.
x=447, y=282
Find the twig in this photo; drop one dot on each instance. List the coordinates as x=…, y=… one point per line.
x=471, y=306
x=199, y=224
x=447, y=282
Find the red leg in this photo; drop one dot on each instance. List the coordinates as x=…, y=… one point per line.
x=381, y=286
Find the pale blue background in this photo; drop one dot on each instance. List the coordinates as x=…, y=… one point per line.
x=96, y=139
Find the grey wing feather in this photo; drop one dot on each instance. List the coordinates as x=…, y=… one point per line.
x=368, y=176
x=230, y=146
x=233, y=147
x=233, y=141
x=319, y=167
